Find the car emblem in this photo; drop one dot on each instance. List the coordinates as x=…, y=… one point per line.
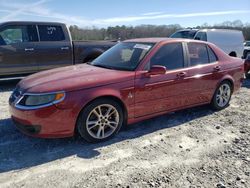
x=130, y=95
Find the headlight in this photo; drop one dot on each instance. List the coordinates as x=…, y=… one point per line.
x=34, y=101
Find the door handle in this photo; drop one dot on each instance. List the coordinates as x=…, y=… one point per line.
x=29, y=49
x=65, y=48
x=217, y=68
x=181, y=74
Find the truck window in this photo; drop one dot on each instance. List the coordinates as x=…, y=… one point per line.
x=51, y=33
x=18, y=34
x=198, y=54
x=201, y=36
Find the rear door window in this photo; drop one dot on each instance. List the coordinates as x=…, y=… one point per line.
x=170, y=56
x=198, y=54
x=13, y=34
x=51, y=33
x=212, y=57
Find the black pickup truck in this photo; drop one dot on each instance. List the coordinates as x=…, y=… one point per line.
x=28, y=47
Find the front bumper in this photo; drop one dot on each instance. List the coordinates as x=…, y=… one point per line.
x=49, y=122
x=27, y=129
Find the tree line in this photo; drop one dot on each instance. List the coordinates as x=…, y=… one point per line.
x=127, y=32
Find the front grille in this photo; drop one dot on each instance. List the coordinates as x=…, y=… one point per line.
x=15, y=95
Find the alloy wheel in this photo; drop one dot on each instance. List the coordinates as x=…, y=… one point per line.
x=223, y=95
x=102, y=121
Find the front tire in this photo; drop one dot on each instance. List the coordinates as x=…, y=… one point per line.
x=100, y=120
x=222, y=96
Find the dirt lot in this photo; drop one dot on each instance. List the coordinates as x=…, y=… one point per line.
x=191, y=148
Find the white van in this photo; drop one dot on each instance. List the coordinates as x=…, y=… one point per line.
x=230, y=41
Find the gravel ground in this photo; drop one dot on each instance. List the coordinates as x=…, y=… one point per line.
x=190, y=148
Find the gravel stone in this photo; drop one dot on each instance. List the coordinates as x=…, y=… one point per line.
x=146, y=154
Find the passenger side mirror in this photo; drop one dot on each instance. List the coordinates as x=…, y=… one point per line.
x=156, y=70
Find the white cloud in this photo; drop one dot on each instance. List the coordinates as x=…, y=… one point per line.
x=161, y=16
x=19, y=8
x=38, y=9
x=152, y=13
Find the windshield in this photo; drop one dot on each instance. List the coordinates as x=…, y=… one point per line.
x=123, y=56
x=184, y=34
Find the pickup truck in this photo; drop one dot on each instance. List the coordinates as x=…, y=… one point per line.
x=28, y=47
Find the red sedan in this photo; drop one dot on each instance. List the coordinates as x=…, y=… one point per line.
x=133, y=81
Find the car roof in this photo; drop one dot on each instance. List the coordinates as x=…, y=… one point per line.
x=221, y=30
x=158, y=40
x=148, y=40
x=188, y=29
x=30, y=22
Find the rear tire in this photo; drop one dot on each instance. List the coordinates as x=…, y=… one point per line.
x=100, y=120
x=222, y=96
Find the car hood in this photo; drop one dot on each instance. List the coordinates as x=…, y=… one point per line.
x=71, y=78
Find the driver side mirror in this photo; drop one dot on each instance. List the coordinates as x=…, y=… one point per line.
x=156, y=70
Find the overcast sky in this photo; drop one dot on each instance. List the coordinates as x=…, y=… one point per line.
x=103, y=13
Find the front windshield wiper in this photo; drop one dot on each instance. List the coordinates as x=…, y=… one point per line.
x=102, y=66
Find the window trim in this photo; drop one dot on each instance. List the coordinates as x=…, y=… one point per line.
x=38, y=34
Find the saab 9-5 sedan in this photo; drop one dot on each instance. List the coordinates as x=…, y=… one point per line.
x=133, y=81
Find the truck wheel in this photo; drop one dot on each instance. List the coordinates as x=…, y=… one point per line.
x=100, y=120
x=222, y=96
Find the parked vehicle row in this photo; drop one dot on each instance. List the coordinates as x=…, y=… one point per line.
x=28, y=47
x=230, y=41
x=133, y=81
